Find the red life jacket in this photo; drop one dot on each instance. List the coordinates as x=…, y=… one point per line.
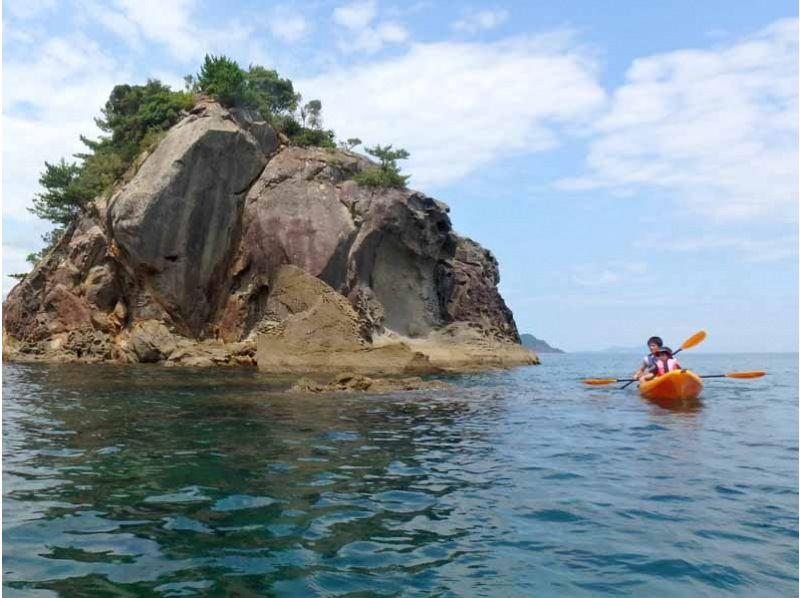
x=672, y=364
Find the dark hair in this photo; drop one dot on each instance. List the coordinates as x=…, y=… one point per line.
x=655, y=339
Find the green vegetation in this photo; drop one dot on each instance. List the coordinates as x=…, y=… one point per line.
x=257, y=88
x=132, y=120
x=64, y=194
x=315, y=137
x=310, y=113
x=388, y=173
x=350, y=144
x=273, y=96
x=222, y=79
x=263, y=90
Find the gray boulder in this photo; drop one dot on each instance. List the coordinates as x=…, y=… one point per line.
x=176, y=220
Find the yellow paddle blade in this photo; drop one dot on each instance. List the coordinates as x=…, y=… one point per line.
x=745, y=374
x=599, y=381
x=695, y=339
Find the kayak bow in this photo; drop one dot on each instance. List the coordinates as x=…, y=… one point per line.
x=676, y=385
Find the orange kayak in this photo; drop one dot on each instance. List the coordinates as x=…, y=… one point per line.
x=677, y=385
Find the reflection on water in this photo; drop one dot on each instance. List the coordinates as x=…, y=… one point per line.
x=677, y=406
x=149, y=481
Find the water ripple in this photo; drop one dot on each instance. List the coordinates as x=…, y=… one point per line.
x=155, y=482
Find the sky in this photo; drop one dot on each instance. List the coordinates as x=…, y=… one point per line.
x=632, y=165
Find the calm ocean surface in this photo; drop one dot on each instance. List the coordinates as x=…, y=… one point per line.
x=146, y=481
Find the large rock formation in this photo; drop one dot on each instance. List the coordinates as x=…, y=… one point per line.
x=222, y=239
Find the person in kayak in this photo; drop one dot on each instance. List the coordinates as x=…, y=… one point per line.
x=665, y=362
x=654, y=343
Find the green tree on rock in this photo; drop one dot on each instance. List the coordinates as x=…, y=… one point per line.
x=133, y=110
x=311, y=114
x=271, y=94
x=64, y=195
x=130, y=120
x=388, y=173
x=350, y=144
x=223, y=79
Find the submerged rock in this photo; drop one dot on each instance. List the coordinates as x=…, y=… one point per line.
x=350, y=382
x=222, y=247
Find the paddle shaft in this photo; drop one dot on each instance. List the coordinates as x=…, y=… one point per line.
x=745, y=375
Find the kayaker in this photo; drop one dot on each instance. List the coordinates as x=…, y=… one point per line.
x=665, y=362
x=654, y=343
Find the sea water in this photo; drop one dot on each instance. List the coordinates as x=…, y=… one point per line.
x=148, y=481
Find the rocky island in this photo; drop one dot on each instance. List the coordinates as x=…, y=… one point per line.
x=227, y=244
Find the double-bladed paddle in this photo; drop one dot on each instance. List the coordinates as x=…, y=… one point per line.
x=694, y=340
x=605, y=381
x=754, y=374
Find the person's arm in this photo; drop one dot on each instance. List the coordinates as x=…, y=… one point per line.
x=642, y=369
x=650, y=372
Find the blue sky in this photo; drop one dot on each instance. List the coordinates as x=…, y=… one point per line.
x=632, y=165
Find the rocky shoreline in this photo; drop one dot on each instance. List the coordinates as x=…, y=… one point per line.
x=227, y=246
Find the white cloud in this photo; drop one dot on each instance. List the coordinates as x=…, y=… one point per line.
x=168, y=23
x=458, y=106
x=610, y=274
x=356, y=15
x=631, y=266
x=750, y=249
x=361, y=35
x=372, y=39
x=592, y=278
x=115, y=21
x=27, y=144
x=27, y=9
x=715, y=128
x=13, y=263
x=475, y=21
x=171, y=24
x=288, y=25
x=48, y=102
x=20, y=37
x=51, y=96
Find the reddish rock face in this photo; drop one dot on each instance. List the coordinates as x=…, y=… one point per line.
x=184, y=251
x=468, y=285
x=51, y=300
x=294, y=215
